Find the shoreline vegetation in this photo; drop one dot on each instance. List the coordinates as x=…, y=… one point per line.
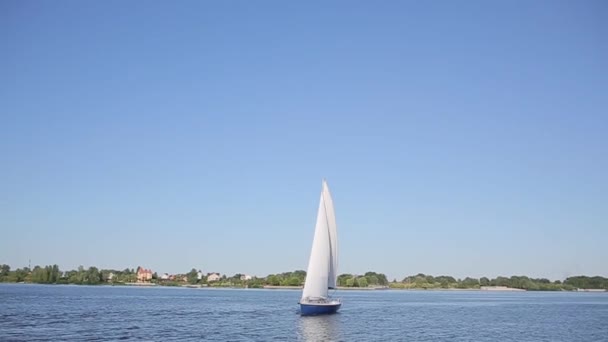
x=51, y=274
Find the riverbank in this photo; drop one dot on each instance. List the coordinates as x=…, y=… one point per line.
x=278, y=287
x=299, y=288
x=51, y=274
x=482, y=288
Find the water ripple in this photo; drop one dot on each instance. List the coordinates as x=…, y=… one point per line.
x=42, y=313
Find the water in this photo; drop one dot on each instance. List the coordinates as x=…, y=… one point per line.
x=37, y=312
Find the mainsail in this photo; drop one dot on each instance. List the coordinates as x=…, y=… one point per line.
x=323, y=263
x=333, y=237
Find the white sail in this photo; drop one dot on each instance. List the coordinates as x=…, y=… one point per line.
x=333, y=237
x=323, y=262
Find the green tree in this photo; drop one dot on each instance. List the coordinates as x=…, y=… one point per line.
x=4, y=270
x=92, y=276
x=343, y=278
x=350, y=282
x=20, y=274
x=273, y=280
x=294, y=281
x=192, y=276
x=374, y=278
x=584, y=282
x=468, y=283
x=362, y=281
x=256, y=283
x=500, y=281
x=445, y=281
x=41, y=275
x=55, y=274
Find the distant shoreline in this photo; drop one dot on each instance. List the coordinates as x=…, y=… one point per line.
x=295, y=288
x=52, y=274
x=483, y=288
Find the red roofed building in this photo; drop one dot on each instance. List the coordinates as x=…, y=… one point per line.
x=143, y=275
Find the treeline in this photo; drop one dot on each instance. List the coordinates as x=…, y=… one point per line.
x=295, y=278
x=422, y=281
x=51, y=274
x=583, y=282
x=92, y=276
x=237, y=280
x=368, y=279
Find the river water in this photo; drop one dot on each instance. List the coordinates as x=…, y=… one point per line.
x=39, y=312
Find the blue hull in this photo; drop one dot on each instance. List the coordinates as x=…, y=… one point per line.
x=319, y=309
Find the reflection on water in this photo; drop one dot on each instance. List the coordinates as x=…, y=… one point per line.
x=319, y=328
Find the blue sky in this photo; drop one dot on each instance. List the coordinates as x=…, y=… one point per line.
x=457, y=138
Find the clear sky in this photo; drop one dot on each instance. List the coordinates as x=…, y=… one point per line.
x=463, y=138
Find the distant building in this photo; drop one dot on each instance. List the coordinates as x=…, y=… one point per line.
x=110, y=276
x=213, y=277
x=199, y=275
x=246, y=277
x=143, y=275
x=165, y=276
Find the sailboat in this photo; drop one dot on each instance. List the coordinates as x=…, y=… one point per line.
x=322, y=272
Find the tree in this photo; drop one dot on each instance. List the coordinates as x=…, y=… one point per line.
x=92, y=276
x=483, y=281
x=584, y=282
x=362, y=281
x=55, y=274
x=255, y=283
x=273, y=280
x=38, y=274
x=382, y=280
x=445, y=281
x=192, y=276
x=470, y=282
x=343, y=278
x=21, y=274
x=294, y=281
x=374, y=278
x=500, y=281
x=4, y=269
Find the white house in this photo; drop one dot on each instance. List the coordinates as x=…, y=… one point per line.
x=213, y=277
x=246, y=277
